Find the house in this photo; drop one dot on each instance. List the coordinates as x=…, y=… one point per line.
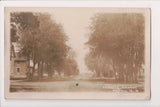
x=18, y=64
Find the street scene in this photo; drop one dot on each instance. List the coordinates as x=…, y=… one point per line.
x=76, y=50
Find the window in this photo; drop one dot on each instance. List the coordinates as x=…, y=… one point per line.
x=18, y=69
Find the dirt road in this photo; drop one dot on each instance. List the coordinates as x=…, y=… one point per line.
x=72, y=86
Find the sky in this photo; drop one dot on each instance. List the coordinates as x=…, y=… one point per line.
x=76, y=26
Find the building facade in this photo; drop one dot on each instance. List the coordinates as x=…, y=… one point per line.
x=18, y=64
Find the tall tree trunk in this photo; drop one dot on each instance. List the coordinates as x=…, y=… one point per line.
x=33, y=71
x=41, y=76
x=136, y=70
x=115, y=71
x=121, y=73
x=28, y=68
x=49, y=71
x=39, y=71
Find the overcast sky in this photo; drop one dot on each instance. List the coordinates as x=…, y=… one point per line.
x=75, y=23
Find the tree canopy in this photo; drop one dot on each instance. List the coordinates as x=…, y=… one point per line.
x=41, y=39
x=120, y=38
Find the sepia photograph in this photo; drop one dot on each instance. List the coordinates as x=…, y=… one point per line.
x=77, y=53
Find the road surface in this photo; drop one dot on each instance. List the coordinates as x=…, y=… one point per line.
x=73, y=85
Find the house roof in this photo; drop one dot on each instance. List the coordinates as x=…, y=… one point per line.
x=19, y=57
x=16, y=46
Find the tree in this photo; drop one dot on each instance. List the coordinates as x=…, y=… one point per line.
x=53, y=39
x=13, y=30
x=26, y=28
x=69, y=66
x=42, y=40
x=119, y=37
